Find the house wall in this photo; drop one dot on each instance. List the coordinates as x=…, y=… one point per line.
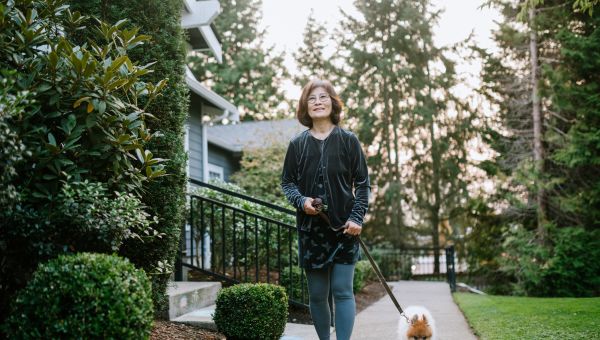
x=195, y=153
x=223, y=158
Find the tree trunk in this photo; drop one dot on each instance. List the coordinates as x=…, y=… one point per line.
x=436, y=240
x=538, y=151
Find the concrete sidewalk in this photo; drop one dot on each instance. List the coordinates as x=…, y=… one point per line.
x=380, y=320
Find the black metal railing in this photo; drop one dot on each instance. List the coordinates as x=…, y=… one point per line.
x=450, y=268
x=416, y=264
x=236, y=245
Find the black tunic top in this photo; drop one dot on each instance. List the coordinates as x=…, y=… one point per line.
x=319, y=245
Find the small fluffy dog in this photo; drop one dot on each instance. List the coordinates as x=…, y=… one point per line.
x=420, y=327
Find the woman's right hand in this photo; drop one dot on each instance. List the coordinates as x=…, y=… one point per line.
x=308, y=207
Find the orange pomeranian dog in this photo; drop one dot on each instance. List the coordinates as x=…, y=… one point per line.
x=420, y=327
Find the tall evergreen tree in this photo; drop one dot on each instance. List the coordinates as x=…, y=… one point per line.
x=575, y=95
x=398, y=88
x=511, y=82
x=309, y=57
x=250, y=76
x=566, y=39
x=161, y=19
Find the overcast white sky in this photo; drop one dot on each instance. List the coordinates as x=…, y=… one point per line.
x=285, y=21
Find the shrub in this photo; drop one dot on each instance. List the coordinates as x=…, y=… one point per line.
x=568, y=266
x=363, y=273
x=83, y=296
x=99, y=222
x=165, y=197
x=82, y=119
x=12, y=149
x=294, y=287
x=252, y=311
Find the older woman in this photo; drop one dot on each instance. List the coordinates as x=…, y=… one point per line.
x=326, y=162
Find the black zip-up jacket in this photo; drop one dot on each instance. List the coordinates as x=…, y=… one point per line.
x=345, y=167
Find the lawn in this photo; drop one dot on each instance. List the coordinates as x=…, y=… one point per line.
x=509, y=317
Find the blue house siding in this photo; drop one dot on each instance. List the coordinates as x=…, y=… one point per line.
x=230, y=162
x=195, y=151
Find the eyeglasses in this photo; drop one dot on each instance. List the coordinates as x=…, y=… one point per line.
x=322, y=99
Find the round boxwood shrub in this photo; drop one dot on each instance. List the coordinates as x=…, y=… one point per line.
x=252, y=311
x=83, y=296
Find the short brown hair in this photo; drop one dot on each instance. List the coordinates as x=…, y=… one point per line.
x=302, y=109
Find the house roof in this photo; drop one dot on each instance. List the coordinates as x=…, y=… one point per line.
x=236, y=137
x=231, y=112
x=197, y=18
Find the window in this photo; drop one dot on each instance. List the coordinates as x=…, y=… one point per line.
x=215, y=172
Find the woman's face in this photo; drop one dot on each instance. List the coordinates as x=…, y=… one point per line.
x=319, y=104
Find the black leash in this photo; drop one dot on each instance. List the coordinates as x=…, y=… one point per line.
x=373, y=264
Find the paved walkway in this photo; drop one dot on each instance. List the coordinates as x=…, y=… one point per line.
x=380, y=320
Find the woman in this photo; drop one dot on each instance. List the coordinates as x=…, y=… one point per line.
x=326, y=161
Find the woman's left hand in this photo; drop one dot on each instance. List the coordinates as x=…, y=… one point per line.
x=352, y=228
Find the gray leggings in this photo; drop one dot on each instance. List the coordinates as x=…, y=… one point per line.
x=339, y=278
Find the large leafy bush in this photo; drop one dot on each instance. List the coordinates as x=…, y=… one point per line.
x=251, y=311
x=83, y=296
x=70, y=113
x=12, y=149
x=165, y=196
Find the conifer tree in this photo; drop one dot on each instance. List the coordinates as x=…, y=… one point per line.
x=250, y=75
x=309, y=57
x=398, y=89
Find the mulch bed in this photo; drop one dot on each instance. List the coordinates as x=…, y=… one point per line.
x=165, y=330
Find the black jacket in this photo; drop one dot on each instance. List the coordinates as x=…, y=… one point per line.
x=345, y=167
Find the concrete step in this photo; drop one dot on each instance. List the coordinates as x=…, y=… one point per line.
x=186, y=296
x=203, y=318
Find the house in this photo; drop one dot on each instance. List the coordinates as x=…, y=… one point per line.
x=196, y=19
x=226, y=142
x=215, y=149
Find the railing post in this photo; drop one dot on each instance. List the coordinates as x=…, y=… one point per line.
x=180, y=253
x=450, y=268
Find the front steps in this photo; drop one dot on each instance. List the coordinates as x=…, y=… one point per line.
x=194, y=303
x=187, y=296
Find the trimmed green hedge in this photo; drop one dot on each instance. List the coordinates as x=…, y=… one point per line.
x=160, y=19
x=252, y=311
x=83, y=296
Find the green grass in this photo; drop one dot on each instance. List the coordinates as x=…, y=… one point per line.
x=509, y=317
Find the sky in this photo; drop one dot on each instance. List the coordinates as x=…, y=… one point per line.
x=285, y=20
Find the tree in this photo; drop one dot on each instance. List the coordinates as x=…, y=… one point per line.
x=249, y=76
x=575, y=109
x=166, y=196
x=538, y=149
x=309, y=57
x=398, y=85
x=260, y=172
x=563, y=35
